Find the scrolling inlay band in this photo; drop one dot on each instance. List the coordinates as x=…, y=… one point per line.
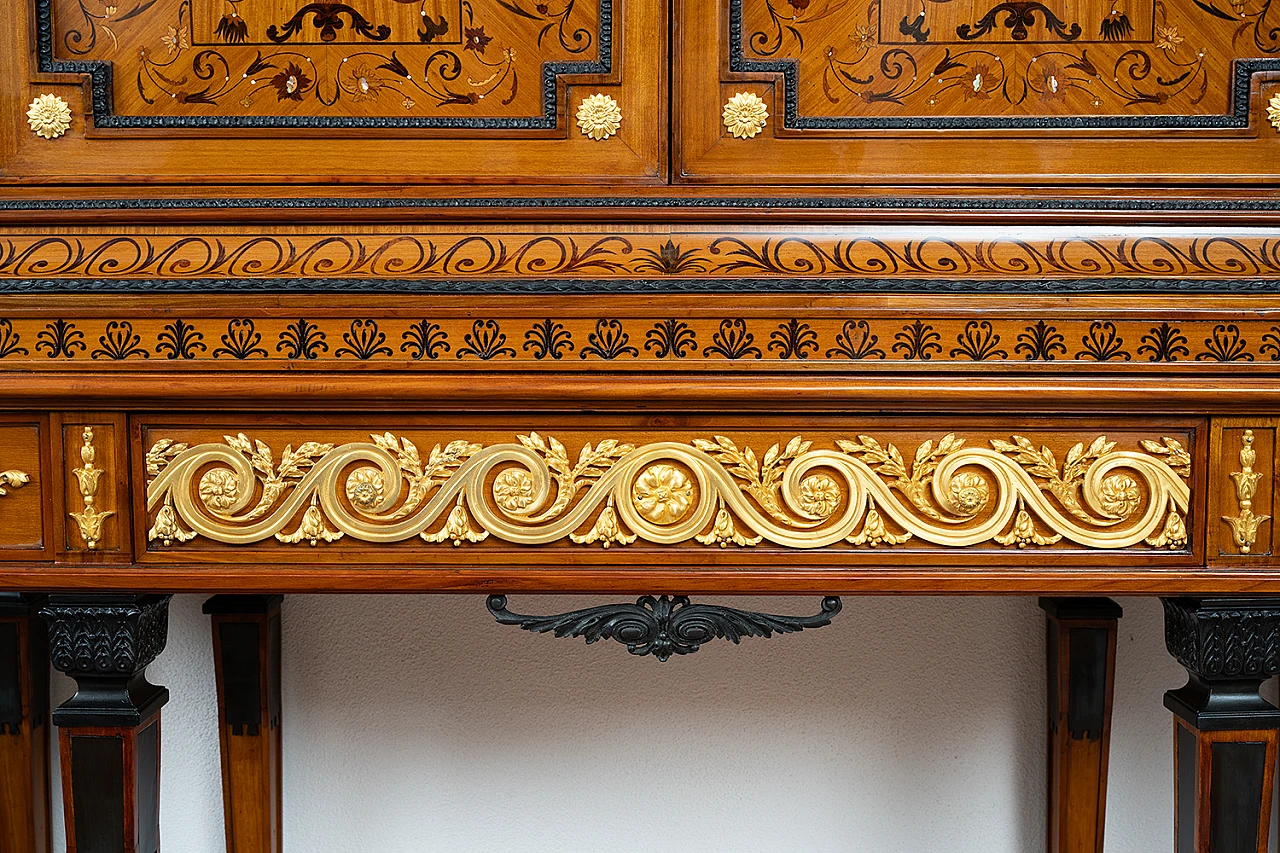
x=708, y=491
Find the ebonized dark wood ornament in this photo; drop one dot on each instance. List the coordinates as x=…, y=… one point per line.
x=663, y=626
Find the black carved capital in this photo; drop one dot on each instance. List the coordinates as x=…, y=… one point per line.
x=1228, y=647
x=106, y=642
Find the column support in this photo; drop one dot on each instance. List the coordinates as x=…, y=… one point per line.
x=246, y=655
x=109, y=731
x=1081, y=645
x=1225, y=733
x=24, y=727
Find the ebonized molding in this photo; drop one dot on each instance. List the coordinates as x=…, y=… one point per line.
x=487, y=286
x=977, y=204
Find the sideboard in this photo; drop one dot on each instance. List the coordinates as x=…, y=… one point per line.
x=650, y=298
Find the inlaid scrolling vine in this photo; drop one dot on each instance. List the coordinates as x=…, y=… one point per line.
x=859, y=491
x=265, y=255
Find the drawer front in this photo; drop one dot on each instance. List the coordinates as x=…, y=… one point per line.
x=975, y=92
x=383, y=91
x=25, y=499
x=681, y=492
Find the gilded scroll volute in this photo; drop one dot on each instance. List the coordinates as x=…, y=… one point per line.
x=859, y=492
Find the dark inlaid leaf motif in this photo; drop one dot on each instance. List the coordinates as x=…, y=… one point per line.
x=1041, y=342
x=302, y=339
x=548, y=339
x=9, y=340
x=1225, y=344
x=1164, y=343
x=364, y=341
x=733, y=341
x=918, y=342
x=793, y=339
x=978, y=342
x=119, y=342
x=327, y=18
x=855, y=341
x=671, y=338
x=486, y=341
x=241, y=340
x=1271, y=343
x=1103, y=344
x=670, y=260
x=179, y=339
x=608, y=341
x=60, y=338
x=423, y=338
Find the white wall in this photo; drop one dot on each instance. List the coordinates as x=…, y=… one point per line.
x=415, y=724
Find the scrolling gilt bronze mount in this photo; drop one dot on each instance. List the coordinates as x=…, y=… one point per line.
x=663, y=626
x=857, y=492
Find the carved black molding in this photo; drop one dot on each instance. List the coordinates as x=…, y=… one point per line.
x=977, y=204
x=101, y=76
x=636, y=285
x=106, y=642
x=1228, y=647
x=663, y=626
x=1238, y=116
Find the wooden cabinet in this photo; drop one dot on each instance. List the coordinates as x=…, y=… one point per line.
x=377, y=91
x=861, y=94
x=978, y=93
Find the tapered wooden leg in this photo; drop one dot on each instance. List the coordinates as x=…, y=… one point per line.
x=1081, y=639
x=109, y=732
x=1225, y=733
x=246, y=655
x=24, y=734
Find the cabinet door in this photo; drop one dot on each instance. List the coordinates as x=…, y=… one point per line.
x=983, y=93
x=368, y=91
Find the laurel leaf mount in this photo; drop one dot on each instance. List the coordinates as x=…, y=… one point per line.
x=663, y=626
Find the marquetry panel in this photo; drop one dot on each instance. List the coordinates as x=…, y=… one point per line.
x=381, y=91
x=374, y=63
x=685, y=333
x=94, y=471
x=1242, y=500
x=1029, y=96
x=556, y=490
x=1083, y=63
x=24, y=490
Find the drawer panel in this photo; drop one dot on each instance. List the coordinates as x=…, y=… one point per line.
x=680, y=491
x=25, y=502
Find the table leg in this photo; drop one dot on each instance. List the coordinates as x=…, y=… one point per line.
x=1081, y=640
x=24, y=735
x=109, y=732
x=246, y=654
x=1225, y=733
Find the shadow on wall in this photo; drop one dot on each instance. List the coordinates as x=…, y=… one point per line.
x=415, y=724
